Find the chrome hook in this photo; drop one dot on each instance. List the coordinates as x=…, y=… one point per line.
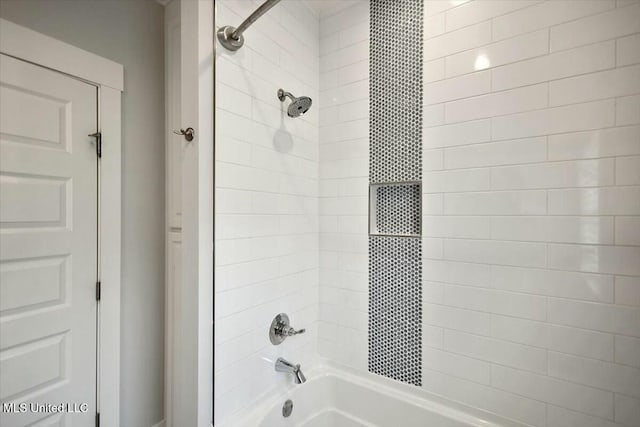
x=188, y=133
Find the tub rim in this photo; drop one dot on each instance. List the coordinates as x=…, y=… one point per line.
x=396, y=390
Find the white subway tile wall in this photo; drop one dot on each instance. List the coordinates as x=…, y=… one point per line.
x=267, y=230
x=531, y=204
x=531, y=297
x=539, y=280
x=344, y=185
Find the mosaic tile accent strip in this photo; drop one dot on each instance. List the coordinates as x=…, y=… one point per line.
x=395, y=90
x=397, y=209
x=395, y=147
x=395, y=308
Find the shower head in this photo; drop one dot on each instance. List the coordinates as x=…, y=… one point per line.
x=298, y=105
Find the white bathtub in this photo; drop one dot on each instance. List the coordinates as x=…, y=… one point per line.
x=335, y=397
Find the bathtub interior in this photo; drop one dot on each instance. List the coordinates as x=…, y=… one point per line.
x=333, y=418
x=335, y=396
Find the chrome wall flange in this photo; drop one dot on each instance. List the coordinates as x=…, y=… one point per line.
x=225, y=36
x=231, y=37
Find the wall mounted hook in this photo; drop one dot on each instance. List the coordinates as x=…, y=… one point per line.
x=188, y=133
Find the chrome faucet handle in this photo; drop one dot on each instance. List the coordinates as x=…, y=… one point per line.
x=280, y=329
x=289, y=331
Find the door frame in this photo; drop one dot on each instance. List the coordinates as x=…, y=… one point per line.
x=108, y=76
x=193, y=318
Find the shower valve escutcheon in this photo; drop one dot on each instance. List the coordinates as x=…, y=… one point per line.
x=281, y=329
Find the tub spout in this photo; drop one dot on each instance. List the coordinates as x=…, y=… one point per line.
x=299, y=377
x=283, y=365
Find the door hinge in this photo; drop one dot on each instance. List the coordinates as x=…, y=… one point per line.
x=98, y=137
x=98, y=290
x=97, y=419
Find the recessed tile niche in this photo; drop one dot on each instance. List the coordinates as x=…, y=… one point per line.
x=395, y=209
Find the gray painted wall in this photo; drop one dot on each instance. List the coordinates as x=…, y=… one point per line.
x=130, y=32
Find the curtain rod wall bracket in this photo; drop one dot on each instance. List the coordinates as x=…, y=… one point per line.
x=226, y=38
x=231, y=37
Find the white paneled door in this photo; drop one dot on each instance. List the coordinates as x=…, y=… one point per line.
x=48, y=246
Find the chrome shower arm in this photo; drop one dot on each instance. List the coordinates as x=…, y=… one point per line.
x=264, y=8
x=231, y=38
x=283, y=94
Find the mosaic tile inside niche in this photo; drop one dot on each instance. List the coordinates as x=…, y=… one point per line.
x=397, y=209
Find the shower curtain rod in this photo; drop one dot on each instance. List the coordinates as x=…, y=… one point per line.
x=231, y=38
